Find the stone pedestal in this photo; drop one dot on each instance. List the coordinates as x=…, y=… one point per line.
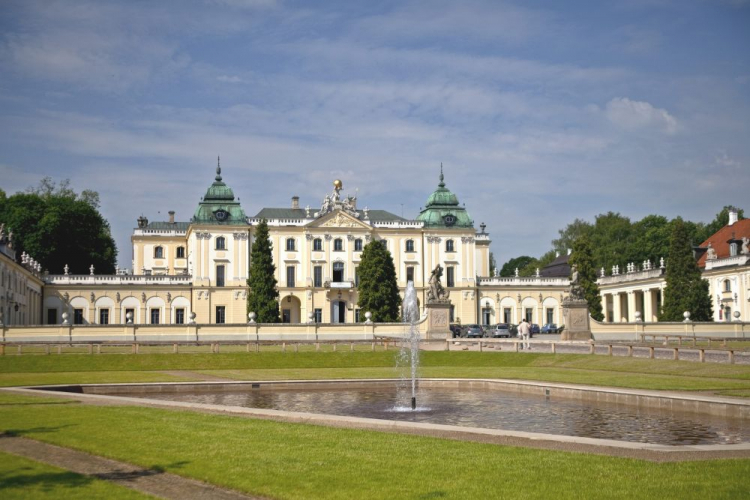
x=576, y=314
x=438, y=320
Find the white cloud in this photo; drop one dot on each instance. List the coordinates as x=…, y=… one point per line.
x=230, y=79
x=628, y=114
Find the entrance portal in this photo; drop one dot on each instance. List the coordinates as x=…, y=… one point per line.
x=338, y=311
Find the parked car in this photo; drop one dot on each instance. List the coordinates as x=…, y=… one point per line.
x=474, y=331
x=513, y=329
x=534, y=328
x=549, y=328
x=455, y=330
x=501, y=330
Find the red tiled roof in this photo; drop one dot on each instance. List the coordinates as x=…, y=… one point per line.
x=719, y=240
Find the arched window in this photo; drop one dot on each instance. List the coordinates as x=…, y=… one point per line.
x=180, y=252
x=318, y=245
x=338, y=272
x=290, y=244
x=449, y=246
x=727, y=286
x=358, y=245
x=338, y=245
x=159, y=253
x=221, y=243
x=409, y=245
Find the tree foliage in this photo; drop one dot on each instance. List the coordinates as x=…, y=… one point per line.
x=509, y=268
x=570, y=234
x=56, y=227
x=378, y=290
x=263, y=297
x=493, y=264
x=582, y=258
x=685, y=289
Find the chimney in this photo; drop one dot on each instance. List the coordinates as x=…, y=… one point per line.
x=295, y=202
x=171, y=216
x=733, y=214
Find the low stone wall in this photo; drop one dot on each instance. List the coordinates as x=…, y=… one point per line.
x=634, y=331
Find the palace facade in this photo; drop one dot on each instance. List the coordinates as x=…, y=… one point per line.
x=196, y=270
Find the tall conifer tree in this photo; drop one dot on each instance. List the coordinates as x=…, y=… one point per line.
x=378, y=290
x=582, y=258
x=263, y=297
x=686, y=290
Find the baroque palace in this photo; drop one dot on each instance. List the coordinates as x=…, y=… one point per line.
x=196, y=271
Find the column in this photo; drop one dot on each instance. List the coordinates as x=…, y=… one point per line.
x=648, y=305
x=616, y=302
x=631, y=307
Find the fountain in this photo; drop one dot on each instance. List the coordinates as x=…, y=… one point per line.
x=410, y=347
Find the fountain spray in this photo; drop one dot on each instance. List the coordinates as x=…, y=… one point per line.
x=410, y=314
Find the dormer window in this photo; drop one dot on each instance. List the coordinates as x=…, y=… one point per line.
x=318, y=245
x=180, y=252
x=338, y=245
x=733, y=249
x=409, y=245
x=290, y=244
x=159, y=252
x=449, y=246
x=221, y=243
x=358, y=245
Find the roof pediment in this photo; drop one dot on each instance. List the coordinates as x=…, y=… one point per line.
x=339, y=218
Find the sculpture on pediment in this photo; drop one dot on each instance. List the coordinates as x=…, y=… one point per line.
x=334, y=201
x=437, y=293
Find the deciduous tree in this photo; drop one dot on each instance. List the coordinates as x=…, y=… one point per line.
x=581, y=257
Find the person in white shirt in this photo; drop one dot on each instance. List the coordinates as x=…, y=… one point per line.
x=524, y=330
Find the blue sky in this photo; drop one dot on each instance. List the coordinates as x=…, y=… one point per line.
x=541, y=112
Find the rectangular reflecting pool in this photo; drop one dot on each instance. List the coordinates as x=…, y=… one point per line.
x=477, y=407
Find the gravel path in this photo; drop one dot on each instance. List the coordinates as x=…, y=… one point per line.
x=151, y=481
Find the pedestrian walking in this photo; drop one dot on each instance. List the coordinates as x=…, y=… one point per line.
x=524, y=330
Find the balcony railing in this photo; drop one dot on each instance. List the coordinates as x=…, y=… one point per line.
x=737, y=260
x=117, y=279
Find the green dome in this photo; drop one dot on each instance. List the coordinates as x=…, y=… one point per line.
x=442, y=209
x=219, y=205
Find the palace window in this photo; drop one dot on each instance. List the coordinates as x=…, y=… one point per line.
x=221, y=315
x=449, y=246
x=77, y=316
x=318, y=315
x=318, y=245
x=506, y=315
x=290, y=276
x=409, y=245
x=155, y=316
x=356, y=276
x=550, y=315
x=180, y=252
x=318, y=276
x=358, y=245
x=159, y=253
x=220, y=272
x=410, y=274
x=727, y=286
x=132, y=315
x=338, y=245
x=179, y=316
x=103, y=316
x=290, y=244
x=450, y=277
x=338, y=272
x=221, y=243
x=733, y=249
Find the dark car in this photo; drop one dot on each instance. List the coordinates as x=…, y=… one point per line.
x=549, y=328
x=455, y=330
x=501, y=330
x=474, y=331
x=534, y=328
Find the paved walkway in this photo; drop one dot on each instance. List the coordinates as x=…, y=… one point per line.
x=150, y=481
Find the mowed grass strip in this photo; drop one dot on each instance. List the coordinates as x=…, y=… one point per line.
x=295, y=461
x=21, y=478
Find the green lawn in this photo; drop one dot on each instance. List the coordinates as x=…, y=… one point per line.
x=21, y=478
x=282, y=460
